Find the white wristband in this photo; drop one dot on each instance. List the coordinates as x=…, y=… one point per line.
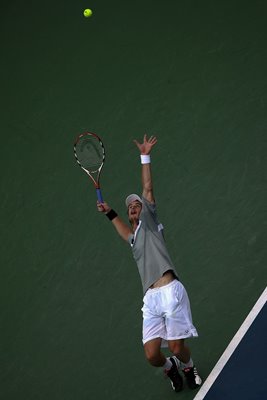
x=145, y=158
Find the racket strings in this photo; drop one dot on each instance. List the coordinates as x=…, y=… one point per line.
x=89, y=153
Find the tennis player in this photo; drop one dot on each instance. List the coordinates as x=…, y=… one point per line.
x=167, y=319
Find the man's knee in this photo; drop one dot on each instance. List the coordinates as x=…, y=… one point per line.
x=153, y=353
x=177, y=346
x=153, y=358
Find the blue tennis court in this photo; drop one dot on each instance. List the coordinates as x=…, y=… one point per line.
x=241, y=371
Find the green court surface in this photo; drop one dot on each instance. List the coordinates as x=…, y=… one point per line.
x=194, y=74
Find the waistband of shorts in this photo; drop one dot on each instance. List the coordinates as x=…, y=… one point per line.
x=161, y=288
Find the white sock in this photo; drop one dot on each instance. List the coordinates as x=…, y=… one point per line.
x=190, y=364
x=168, y=364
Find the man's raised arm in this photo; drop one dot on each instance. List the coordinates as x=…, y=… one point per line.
x=145, y=149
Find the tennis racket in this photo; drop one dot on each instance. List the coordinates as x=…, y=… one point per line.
x=89, y=152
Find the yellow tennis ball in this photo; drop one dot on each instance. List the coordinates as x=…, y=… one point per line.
x=87, y=12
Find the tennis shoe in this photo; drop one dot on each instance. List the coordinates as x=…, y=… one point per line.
x=192, y=377
x=174, y=376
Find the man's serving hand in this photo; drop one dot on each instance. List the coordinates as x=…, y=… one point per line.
x=103, y=207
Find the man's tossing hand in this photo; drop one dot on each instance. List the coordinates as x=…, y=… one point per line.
x=146, y=146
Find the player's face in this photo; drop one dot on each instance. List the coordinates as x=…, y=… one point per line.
x=134, y=210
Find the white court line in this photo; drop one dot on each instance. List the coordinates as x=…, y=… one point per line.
x=232, y=346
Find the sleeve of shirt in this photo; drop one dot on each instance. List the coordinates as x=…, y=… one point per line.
x=149, y=214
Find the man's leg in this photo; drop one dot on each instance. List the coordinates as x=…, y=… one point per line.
x=182, y=352
x=153, y=353
x=170, y=365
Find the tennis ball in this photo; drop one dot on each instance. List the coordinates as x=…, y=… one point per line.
x=87, y=12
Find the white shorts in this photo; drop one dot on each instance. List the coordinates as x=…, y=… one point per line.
x=167, y=314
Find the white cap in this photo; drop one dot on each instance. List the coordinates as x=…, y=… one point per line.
x=131, y=198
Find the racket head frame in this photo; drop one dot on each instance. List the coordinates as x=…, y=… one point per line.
x=94, y=175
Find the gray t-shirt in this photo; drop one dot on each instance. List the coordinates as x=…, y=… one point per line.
x=149, y=248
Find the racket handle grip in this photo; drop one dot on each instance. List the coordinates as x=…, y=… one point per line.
x=99, y=196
